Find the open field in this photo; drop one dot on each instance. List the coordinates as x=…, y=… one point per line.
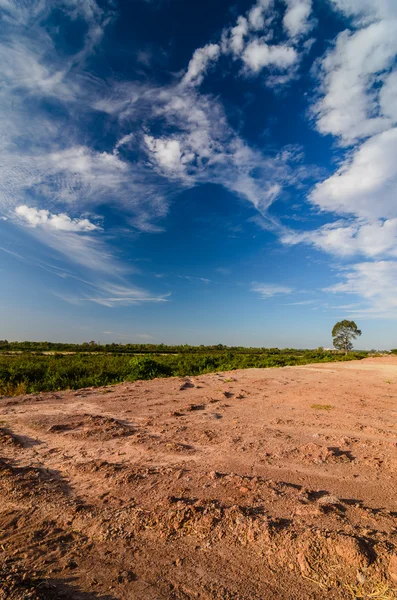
x=258, y=484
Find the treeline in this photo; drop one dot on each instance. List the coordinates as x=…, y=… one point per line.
x=95, y=347
x=30, y=372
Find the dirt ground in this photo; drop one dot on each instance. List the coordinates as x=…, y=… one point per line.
x=257, y=484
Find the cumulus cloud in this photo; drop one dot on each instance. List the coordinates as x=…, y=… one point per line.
x=268, y=290
x=167, y=153
x=238, y=33
x=251, y=38
x=41, y=217
x=258, y=54
x=257, y=14
x=352, y=74
x=357, y=105
x=365, y=185
x=366, y=11
x=296, y=19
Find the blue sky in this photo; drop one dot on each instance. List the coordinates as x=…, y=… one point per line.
x=198, y=172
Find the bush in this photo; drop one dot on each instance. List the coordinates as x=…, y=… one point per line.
x=147, y=368
x=31, y=372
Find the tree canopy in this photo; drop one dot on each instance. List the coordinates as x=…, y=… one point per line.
x=343, y=333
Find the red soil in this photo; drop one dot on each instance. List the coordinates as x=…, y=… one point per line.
x=256, y=484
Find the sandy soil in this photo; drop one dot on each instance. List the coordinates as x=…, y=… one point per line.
x=256, y=484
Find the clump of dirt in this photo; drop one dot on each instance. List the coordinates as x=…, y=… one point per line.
x=317, y=454
x=194, y=407
x=29, y=481
x=86, y=426
x=8, y=438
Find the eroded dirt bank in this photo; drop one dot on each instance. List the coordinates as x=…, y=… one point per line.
x=256, y=484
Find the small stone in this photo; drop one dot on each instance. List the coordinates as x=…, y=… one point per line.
x=361, y=578
x=393, y=567
x=328, y=500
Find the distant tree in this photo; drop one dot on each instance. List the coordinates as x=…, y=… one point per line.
x=343, y=333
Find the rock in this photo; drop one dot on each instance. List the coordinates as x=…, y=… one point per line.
x=303, y=564
x=329, y=500
x=393, y=568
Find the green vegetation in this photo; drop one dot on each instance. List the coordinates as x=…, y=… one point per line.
x=24, y=371
x=343, y=333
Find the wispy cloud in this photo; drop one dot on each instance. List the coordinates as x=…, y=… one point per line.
x=375, y=283
x=191, y=278
x=371, y=239
x=268, y=290
x=302, y=303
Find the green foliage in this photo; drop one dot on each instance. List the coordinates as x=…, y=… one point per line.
x=147, y=368
x=343, y=333
x=32, y=372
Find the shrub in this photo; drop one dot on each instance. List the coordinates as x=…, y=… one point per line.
x=147, y=368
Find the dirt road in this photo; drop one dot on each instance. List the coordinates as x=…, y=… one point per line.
x=256, y=484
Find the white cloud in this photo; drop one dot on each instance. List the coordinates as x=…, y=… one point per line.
x=251, y=38
x=357, y=105
x=256, y=15
x=352, y=74
x=199, y=64
x=113, y=295
x=268, y=290
x=375, y=282
x=125, y=141
x=237, y=35
x=167, y=153
x=388, y=96
x=207, y=150
x=296, y=19
x=370, y=239
x=366, y=183
x=258, y=54
x=367, y=10
x=176, y=138
x=61, y=222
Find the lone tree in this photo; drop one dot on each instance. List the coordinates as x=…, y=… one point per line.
x=343, y=333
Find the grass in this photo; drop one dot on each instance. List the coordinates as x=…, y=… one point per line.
x=322, y=406
x=31, y=372
x=378, y=591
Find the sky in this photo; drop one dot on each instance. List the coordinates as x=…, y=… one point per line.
x=198, y=172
